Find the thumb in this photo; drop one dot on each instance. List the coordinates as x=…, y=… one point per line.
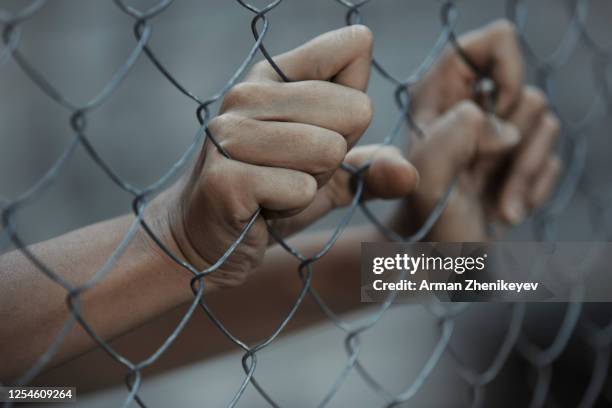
x=343, y=55
x=455, y=140
x=388, y=175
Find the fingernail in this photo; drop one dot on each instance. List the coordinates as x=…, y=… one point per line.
x=515, y=211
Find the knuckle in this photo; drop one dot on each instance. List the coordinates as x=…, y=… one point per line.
x=240, y=94
x=260, y=66
x=362, y=111
x=388, y=151
x=449, y=60
x=226, y=130
x=363, y=35
x=305, y=189
x=471, y=115
x=220, y=124
x=536, y=99
x=394, y=150
x=504, y=28
x=333, y=151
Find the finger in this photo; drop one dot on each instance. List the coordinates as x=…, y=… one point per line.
x=495, y=48
x=454, y=142
x=343, y=55
x=279, y=192
x=531, y=107
x=498, y=137
x=318, y=103
x=545, y=183
x=529, y=161
x=388, y=176
x=306, y=148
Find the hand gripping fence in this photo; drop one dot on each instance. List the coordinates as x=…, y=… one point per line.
x=574, y=144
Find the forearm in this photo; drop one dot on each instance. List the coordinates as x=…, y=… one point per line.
x=33, y=308
x=251, y=311
x=336, y=276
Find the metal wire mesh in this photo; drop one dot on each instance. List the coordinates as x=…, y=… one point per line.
x=573, y=149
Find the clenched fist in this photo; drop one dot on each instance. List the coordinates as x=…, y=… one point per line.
x=503, y=160
x=286, y=142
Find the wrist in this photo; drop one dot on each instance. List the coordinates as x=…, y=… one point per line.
x=160, y=219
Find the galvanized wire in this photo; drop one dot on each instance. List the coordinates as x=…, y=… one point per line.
x=574, y=143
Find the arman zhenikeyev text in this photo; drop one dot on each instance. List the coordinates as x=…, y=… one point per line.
x=467, y=285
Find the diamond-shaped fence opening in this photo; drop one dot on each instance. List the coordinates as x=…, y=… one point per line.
x=580, y=129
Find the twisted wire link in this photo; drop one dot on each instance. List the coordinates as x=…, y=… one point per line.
x=573, y=147
x=574, y=134
x=448, y=14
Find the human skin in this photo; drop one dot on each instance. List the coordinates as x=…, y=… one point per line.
x=504, y=164
x=304, y=129
x=285, y=141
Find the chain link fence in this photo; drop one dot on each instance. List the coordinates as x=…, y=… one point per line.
x=577, y=134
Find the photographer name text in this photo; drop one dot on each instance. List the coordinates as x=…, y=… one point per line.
x=431, y=264
x=467, y=285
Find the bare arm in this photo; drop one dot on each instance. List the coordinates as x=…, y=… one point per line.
x=281, y=146
x=460, y=140
x=33, y=307
x=251, y=311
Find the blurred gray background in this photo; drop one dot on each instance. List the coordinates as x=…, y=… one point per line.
x=146, y=124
